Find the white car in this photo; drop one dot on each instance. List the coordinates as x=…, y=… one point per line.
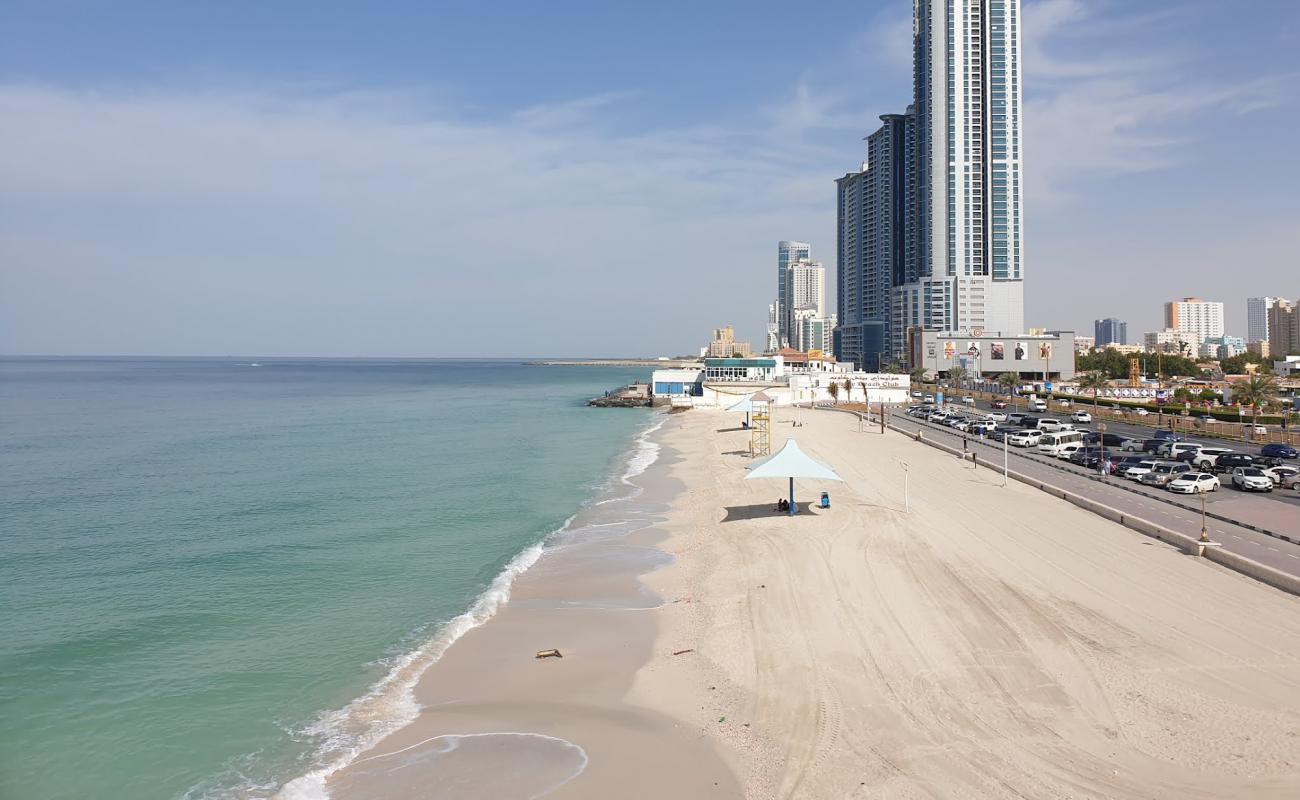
x=929, y=398
x=1141, y=412
x=1206, y=456
x=1052, y=425
x=1081, y=416
x=1066, y=450
x=1193, y=483
x=1282, y=476
x=1251, y=479
x=1258, y=430
x=1024, y=439
x=995, y=416
x=1139, y=469
x=1131, y=445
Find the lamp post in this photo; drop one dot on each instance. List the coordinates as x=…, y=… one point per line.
x=907, y=508
x=1101, y=429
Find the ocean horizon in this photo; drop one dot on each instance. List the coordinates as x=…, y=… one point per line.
x=214, y=570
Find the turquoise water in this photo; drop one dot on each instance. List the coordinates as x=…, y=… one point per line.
x=205, y=563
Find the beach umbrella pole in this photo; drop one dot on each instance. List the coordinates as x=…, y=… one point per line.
x=792, y=497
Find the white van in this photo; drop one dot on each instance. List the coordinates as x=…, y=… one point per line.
x=1050, y=425
x=1037, y=404
x=1052, y=443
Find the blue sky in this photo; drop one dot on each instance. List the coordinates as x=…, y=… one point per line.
x=472, y=179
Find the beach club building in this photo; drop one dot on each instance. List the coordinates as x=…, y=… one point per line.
x=787, y=377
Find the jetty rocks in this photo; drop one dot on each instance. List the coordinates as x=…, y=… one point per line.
x=634, y=395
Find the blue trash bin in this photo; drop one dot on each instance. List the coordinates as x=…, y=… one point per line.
x=826, y=500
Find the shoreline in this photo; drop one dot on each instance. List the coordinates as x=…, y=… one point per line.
x=494, y=721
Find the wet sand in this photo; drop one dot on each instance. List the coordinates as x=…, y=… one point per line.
x=497, y=723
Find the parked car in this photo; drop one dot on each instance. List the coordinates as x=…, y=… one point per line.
x=999, y=403
x=1152, y=446
x=1109, y=440
x=1066, y=450
x=1279, y=451
x=1000, y=434
x=1086, y=457
x=1131, y=445
x=1193, y=483
x=995, y=416
x=1205, y=458
x=1230, y=461
x=1251, y=479
x=1024, y=439
x=1027, y=421
x=1282, y=476
x=1081, y=416
x=1121, y=466
x=1164, y=434
x=1141, y=412
x=1136, y=471
x=916, y=394
x=1254, y=430
x=1037, y=405
x=929, y=398
x=1015, y=418
x=1164, y=472
x=1049, y=425
x=1174, y=450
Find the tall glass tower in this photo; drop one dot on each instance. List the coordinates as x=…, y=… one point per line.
x=787, y=254
x=966, y=86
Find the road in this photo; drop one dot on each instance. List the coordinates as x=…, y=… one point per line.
x=1282, y=515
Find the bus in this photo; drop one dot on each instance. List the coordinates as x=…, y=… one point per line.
x=1051, y=443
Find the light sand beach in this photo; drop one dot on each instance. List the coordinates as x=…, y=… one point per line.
x=991, y=642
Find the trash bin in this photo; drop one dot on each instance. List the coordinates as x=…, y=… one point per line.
x=826, y=500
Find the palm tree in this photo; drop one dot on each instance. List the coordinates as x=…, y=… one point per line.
x=956, y=375
x=1094, y=381
x=1255, y=391
x=834, y=389
x=893, y=368
x=848, y=390
x=1009, y=381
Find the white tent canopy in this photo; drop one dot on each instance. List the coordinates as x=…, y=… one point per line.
x=747, y=404
x=791, y=462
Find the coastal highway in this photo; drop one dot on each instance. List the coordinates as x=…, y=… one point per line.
x=1282, y=516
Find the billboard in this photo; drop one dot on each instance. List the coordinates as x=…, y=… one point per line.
x=1021, y=351
x=997, y=350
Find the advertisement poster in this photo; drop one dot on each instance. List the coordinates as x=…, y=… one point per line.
x=997, y=351
x=949, y=350
x=1021, y=352
x=973, y=349
x=1045, y=350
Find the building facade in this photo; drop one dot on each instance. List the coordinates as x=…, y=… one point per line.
x=1026, y=355
x=1110, y=331
x=1283, y=329
x=1172, y=340
x=1191, y=315
x=787, y=253
x=724, y=345
x=1257, y=317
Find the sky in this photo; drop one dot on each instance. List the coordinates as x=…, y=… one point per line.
x=588, y=179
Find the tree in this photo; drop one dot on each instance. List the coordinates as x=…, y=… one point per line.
x=848, y=391
x=893, y=368
x=1010, y=381
x=1255, y=391
x=1236, y=365
x=956, y=375
x=834, y=389
x=1094, y=382
x=918, y=375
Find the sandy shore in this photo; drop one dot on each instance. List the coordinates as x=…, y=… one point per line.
x=993, y=642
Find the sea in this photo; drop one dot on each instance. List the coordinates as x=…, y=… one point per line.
x=218, y=575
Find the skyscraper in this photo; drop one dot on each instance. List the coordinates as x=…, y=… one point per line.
x=930, y=229
x=1190, y=315
x=966, y=84
x=1109, y=331
x=787, y=253
x=1257, y=317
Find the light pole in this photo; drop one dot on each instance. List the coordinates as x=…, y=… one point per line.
x=1101, y=429
x=1205, y=534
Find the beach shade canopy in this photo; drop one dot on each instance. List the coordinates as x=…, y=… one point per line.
x=746, y=404
x=790, y=462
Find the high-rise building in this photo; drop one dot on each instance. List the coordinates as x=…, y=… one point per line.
x=1172, y=340
x=1257, y=317
x=930, y=230
x=724, y=344
x=1283, y=329
x=787, y=253
x=773, y=329
x=1191, y=315
x=966, y=97
x=1110, y=331
x=805, y=287
x=876, y=242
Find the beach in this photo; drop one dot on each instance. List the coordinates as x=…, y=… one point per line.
x=990, y=641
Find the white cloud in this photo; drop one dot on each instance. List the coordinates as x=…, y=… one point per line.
x=378, y=225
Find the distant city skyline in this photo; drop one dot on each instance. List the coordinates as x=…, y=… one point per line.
x=216, y=179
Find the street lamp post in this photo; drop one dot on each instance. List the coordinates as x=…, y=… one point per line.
x=1205, y=534
x=907, y=509
x=1101, y=429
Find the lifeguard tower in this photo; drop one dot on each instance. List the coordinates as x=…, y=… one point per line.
x=760, y=425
